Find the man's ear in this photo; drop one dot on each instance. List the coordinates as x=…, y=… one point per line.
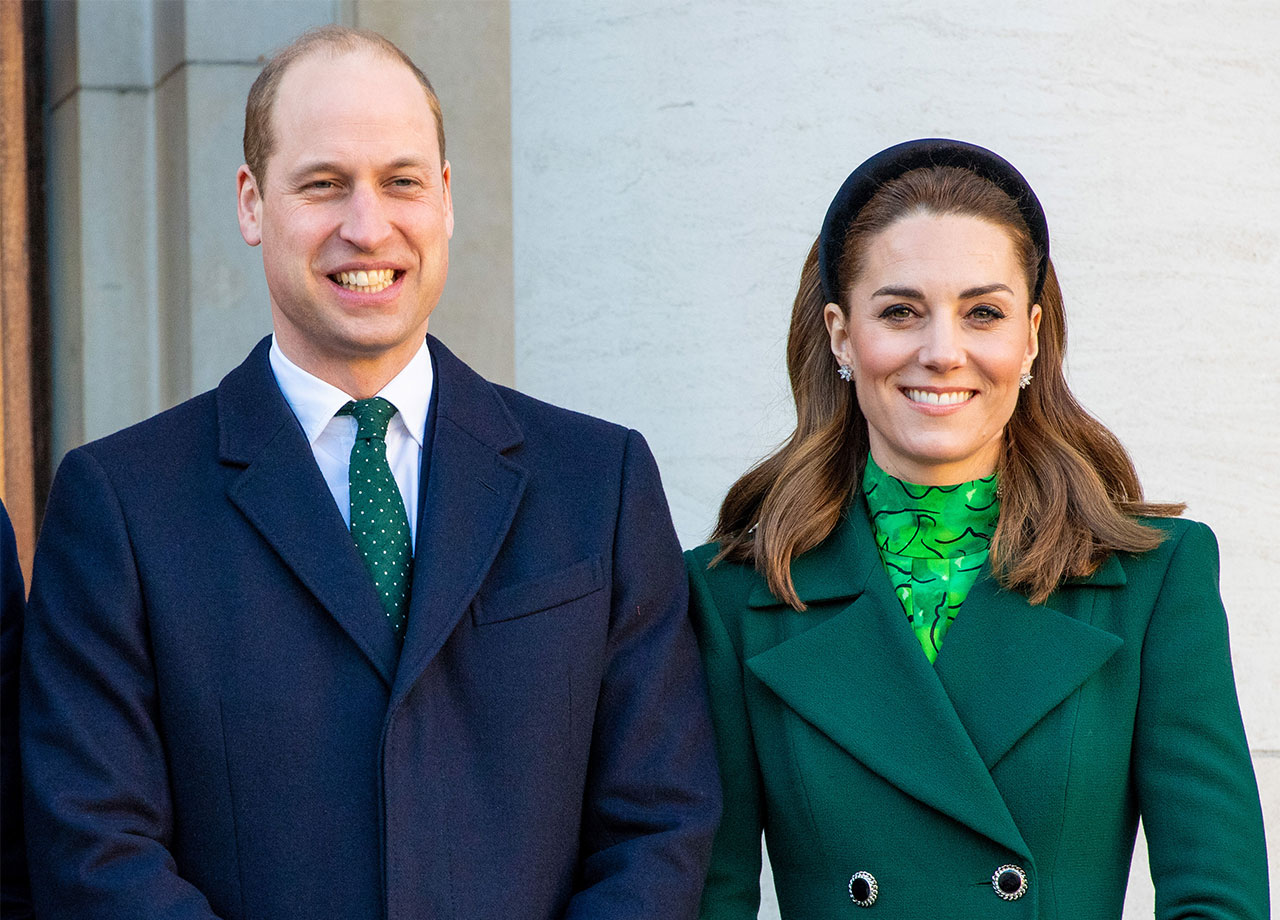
x=249, y=206
x=445, y=179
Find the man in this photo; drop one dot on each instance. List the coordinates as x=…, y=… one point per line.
x=15, y=902
x=359, y=634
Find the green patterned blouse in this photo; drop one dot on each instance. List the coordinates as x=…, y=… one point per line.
x=933, y=541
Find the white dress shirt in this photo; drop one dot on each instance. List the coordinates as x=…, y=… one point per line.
x=315, y=403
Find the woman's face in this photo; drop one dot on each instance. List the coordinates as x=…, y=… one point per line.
x=938, y=334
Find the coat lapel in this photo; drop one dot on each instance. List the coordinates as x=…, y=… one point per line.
x=471, y=496
x=861, y=678
x=283, y=494
x=1005, y=664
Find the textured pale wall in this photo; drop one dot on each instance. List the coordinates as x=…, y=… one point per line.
x=673, y=160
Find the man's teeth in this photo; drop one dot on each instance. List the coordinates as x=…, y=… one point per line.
x=952, y=398
x=366, y=282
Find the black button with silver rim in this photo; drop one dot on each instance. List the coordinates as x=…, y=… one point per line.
x=863, y=889
x=1010, y=882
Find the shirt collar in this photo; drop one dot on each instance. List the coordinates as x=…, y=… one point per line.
x=930, y=522
x=410, y=392
x=315, y=401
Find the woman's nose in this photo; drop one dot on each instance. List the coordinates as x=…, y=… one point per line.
x=942, y=348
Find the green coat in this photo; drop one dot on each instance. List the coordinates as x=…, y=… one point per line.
x=1036, y=740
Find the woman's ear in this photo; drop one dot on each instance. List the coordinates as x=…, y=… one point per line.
x=838, y=330
x=1033, y=337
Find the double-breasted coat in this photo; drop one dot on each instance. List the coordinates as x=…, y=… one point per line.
x=218, y=721
x=1035, y=743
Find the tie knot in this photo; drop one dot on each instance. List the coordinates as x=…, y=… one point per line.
x=371, y=415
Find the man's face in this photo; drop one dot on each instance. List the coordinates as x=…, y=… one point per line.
x=356, y=215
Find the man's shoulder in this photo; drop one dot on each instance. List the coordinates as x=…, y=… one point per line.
x=186, y=426
x=541, y=419
x=479, y=404
x=194, y=428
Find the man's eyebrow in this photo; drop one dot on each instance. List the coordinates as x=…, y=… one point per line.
x=408, y=163
x=328, y=166
x=313, y=167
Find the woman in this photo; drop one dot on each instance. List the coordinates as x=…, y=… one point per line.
x=952, y=654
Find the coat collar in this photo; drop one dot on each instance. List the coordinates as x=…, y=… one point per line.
x=831, y=571
x=471, y=494
x=824, y=573
x=935, y=732
x=283, y=494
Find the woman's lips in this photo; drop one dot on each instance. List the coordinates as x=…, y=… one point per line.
x=941, y=398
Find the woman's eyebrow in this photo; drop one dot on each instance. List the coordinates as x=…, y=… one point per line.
x=892, y=290
x=984, y=290
x=909, y=293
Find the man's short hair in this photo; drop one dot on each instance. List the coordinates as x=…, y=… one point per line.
x=259, y=140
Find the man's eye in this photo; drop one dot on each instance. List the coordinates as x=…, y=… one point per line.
x=321, y=184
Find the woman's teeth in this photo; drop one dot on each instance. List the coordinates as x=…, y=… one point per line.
x=366, y=282
x=952, y=398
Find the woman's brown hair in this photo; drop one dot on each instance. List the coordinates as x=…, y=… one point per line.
x=1068, y=490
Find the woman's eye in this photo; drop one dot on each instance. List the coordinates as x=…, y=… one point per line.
x=898, y=312
x=986, y=314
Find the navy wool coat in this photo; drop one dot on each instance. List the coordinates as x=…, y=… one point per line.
x=217, y=721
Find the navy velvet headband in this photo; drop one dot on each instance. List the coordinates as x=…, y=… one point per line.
x=891, y=163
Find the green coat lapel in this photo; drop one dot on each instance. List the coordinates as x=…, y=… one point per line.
x=861, y=678
x=1005, y=663
x=934, y=732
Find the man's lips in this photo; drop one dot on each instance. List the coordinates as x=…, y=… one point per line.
x=365, y=281
x=938, y=397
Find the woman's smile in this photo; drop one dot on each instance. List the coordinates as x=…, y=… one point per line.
x=938, y=398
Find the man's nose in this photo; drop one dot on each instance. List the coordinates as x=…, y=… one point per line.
x=365, y=224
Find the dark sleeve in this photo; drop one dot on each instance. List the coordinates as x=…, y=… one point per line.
x=1192, y=769
x=652, y=799
x=99, y=814
x=733, y=882
x=15, y=892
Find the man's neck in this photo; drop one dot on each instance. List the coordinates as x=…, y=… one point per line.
x=359, y=378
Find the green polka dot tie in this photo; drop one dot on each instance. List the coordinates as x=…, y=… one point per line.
x=379, y=525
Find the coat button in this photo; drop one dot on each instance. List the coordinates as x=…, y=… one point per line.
x=863, y=889
x=1010, y=882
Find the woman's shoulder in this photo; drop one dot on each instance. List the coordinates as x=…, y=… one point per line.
x=699, y=558
x=703, y=562
x=1180, y=534
x=723, y=583
x=1188, y=549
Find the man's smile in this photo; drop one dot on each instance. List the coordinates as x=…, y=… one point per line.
x=369, y=281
